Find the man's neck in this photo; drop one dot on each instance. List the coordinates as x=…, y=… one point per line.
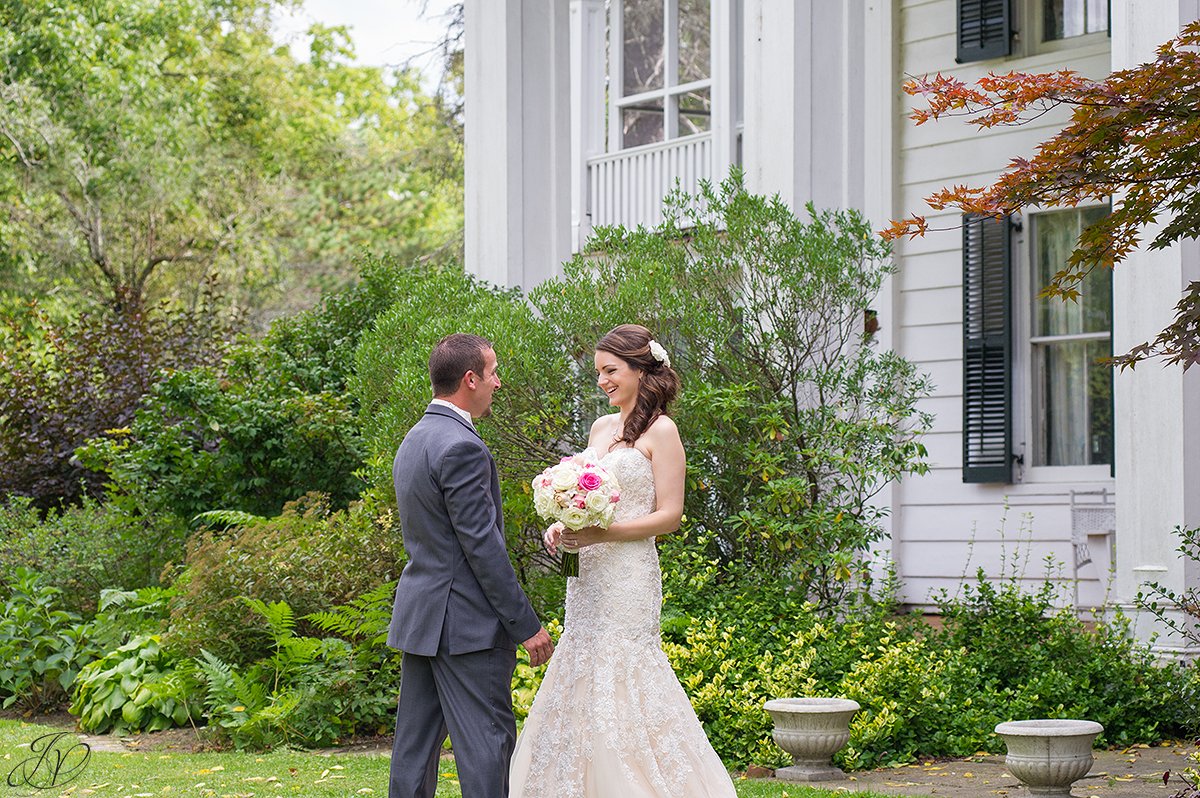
x=450, y=403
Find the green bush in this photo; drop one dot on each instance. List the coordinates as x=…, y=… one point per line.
x=535, y=416
x=135, y=687
x=202, y=441
x=312, y=557
x=738, y=640
x=308, y=691
x=793, y=417
x=86, y=548
x=42, y=646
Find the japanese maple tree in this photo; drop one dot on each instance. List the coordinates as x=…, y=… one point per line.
x=1133, y=137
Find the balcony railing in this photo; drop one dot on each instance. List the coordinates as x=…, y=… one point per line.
x=627, y=187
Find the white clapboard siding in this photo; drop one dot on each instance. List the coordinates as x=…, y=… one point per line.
x=627, y=187
x=943, y=528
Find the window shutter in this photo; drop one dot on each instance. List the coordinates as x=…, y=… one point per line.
x=984, y=29
x=987, y=349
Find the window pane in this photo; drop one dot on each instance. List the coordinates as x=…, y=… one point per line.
x=1076, y=408
x=644, y=54
x=1056, y=235
x=695, y=54
x=695, y=111
x=1062, y=19
x=641, y=124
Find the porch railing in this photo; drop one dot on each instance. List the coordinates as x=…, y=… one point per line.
x=628, y=187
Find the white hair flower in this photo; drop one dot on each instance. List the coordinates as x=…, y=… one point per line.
x=660, y=354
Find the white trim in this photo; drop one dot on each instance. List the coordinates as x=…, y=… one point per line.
x=587, y=100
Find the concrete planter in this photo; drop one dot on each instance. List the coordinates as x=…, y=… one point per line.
x=812, y=730
x=1049, y=755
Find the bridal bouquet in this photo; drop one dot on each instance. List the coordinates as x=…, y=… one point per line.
x=579, y=492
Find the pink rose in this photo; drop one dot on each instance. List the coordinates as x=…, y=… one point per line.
x=616, y=497
x=590, y=480
x=581, y=504
x=546, y=483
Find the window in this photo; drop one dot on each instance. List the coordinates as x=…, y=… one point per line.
x=984, y=30
x=1072, y=411
x=663, y=69
x=1066, y=19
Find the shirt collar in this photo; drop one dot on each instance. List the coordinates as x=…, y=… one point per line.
x=466, y=415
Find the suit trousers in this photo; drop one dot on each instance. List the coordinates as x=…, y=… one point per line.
x=468, y=695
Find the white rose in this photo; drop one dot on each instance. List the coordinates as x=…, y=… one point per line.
x=597, y=501
x=543, y=502
x=564, y=476
x=574, y=517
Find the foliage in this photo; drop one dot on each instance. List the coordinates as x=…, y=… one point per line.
x=1177, y=612
x=202, y=441
x=62, y=382
x=533, y=413
x=83, y=550
x=308, y=691
x=312, y=557
x=1001, y=655
x=132, y=688
x=146, y=145
x=793, y=417
x=1133, y=137
x=42, y=646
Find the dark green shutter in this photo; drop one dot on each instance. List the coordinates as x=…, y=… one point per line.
x=984, y=29
x=987, y=349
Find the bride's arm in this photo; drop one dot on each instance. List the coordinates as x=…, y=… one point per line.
x=661, y=442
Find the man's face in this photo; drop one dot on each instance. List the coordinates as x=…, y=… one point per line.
x=484, y=385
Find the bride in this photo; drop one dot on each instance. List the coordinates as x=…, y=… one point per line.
x=611, y=719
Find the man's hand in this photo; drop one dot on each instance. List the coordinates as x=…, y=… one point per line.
x=540, y=647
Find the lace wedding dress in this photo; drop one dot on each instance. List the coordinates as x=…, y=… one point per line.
x=611, y=719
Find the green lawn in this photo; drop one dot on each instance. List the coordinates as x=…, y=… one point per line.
x=274, y=775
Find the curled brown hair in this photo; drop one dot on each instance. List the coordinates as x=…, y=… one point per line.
x=659, y=383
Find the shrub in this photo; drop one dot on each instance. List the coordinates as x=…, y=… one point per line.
x=793, y=417
x=61, y=384
x=308, y=691
x=132, y=688
x=84, y=549
x=202, y=441
x=42, y=646
x=311, y=556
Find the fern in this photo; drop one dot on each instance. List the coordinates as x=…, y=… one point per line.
x=365, y=618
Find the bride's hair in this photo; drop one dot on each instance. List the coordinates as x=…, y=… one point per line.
x=659, y=383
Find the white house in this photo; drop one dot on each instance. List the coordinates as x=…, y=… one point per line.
x=585, y=112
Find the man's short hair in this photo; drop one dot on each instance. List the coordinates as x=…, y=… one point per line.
x=454, y=356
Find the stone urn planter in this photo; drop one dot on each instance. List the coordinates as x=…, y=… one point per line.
x=1047, y=756
x=812, y=730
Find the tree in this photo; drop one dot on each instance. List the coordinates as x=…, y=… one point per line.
x=144, y=145
x=1133, y=137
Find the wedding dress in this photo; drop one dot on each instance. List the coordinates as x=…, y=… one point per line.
x=611, y=719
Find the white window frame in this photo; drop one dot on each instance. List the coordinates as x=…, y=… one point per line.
x=1029, y=23
x=1025, y=395
x=671, y=90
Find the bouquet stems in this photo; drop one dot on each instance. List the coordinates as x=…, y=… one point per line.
x=570, y=563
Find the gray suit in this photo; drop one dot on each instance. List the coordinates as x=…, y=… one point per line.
x=459, y=612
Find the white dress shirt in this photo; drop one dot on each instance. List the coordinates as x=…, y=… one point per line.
x=465, y=414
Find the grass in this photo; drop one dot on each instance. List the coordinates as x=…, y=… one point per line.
x=271, y=775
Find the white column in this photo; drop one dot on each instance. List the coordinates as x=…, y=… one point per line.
x=724, y=88
x=1157, y=418
x=805, y=127
x=518, y=141
x=776, y=139
x=587, y=108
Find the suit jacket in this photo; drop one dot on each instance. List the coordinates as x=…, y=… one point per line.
x=458, y=583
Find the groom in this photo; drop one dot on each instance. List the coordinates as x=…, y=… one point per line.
x=459, y=611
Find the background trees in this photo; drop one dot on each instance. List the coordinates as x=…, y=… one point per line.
x=144, y=145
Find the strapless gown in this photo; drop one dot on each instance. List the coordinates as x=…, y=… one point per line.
x=611, y=719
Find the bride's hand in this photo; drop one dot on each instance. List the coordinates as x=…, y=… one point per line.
x=577, y=539
x=552, y=537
